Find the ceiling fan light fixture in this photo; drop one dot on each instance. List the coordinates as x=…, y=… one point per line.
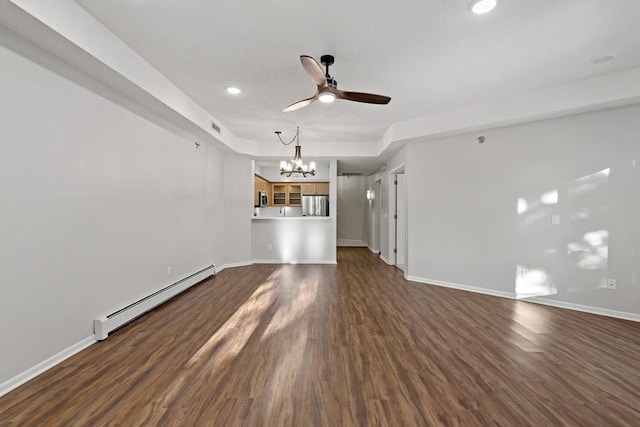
x=327, y=97
x=480, y=7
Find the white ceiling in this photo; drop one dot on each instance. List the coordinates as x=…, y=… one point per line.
x=428, y=55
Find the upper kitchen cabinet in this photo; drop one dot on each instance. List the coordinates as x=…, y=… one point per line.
x=261, y=185
x=308, y=188
x=322, y=188
x=315, y=188
x=290, y=193
x=294, y=194
x=286, y=194
x=279, y=195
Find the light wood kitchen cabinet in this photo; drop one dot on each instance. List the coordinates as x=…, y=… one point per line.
x=294, y=196
x=261, y=185
x=308, y=188
x=322, y=189
x=287, y=193
x=315, y=188
x=279, y=194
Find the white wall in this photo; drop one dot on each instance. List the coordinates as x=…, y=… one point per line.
x=237, y=209
x=480, y=214
x=97, y=203
x=352, y=207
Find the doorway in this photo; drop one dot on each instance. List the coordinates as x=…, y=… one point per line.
x=377, y=203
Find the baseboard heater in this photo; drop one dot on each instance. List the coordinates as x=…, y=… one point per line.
x=104, y=325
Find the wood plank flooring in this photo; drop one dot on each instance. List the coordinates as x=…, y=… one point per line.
x=347, y=345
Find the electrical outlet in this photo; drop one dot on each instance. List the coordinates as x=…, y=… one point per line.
x=270, y=246
x=611, y=284
x=168, y=271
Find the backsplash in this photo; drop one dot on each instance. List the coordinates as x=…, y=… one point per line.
x=275, y=211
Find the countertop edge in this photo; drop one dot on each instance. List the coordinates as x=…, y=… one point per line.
x=302, y=218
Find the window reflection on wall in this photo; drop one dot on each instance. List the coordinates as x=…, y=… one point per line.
x=591, y=252
x=588, y=245
x=571, y=253
x=532, y=282
x=532, y=275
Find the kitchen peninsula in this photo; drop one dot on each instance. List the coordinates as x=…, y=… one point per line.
x=280, y=233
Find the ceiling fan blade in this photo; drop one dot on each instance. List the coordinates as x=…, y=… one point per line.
x=314, y=70
x=368, y=98
x=300, y=104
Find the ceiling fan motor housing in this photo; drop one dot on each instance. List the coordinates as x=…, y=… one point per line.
x=327, y=60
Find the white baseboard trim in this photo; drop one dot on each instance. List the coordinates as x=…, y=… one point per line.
x=375, y=251
x=352, y=243
x=294, y=261
x=536, y=300
x=233, y=264
x=451, y=285
x=383, y=258
x=49, y=363
x=585, y=308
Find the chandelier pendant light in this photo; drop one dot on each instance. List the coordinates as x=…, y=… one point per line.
x=296, y=166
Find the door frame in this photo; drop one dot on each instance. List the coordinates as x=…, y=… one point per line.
x=393, y=218
x=377, y=213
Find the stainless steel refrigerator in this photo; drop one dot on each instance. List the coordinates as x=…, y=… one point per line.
x=315, y=205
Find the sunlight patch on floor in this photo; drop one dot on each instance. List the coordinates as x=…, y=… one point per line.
x=229, y=340
x=306, y=294
x=533, y=317
x=285, y=375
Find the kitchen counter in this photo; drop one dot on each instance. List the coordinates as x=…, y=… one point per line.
x=293, y=239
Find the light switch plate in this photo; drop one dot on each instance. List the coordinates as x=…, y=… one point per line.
x=555, y=219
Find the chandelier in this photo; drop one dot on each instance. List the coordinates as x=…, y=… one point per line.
x=297, y=165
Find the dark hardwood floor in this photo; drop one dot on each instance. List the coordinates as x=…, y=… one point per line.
x=353, y=344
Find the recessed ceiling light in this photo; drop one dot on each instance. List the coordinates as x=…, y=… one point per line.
x=233, y=90
x=601, y=59
x=482, y=6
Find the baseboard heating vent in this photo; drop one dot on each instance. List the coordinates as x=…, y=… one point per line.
x=104, y=325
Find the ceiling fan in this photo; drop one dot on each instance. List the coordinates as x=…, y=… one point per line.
x=327, y=86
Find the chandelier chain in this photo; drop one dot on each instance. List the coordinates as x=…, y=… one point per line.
x=296, y=137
